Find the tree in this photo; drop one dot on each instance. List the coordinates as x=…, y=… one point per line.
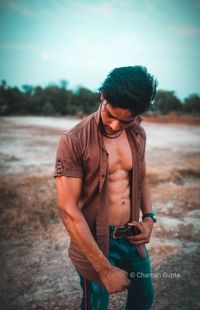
x=166, y=101
x=87, y=101
x=47, y=109
x=37, y=101
x=3, y=101
x=29, y=89
x=15, y=101
x=192, y=104
x=59, y=98
x=63, y=84
x=4, y=83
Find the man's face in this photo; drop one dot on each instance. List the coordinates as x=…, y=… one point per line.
x=115, y=119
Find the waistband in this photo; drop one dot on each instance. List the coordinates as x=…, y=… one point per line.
x=112, y=228
x=117, y=229
x=123, y=231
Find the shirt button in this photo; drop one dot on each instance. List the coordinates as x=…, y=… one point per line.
x=103, y=175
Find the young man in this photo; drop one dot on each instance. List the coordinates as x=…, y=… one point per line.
x=102, y=186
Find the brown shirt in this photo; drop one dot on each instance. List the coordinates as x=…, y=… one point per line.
x=81, y=154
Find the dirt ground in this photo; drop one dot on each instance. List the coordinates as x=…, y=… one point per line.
x=36, y=272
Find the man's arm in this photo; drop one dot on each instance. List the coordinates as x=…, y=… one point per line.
x=146, y=226
x=69, y=190
x=145, y=192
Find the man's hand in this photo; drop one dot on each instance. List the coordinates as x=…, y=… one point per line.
x=145, y=229
x=114, y=279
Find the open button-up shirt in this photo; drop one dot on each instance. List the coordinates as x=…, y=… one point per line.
x=81, y=154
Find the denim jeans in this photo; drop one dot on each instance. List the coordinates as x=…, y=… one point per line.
x=140, y=295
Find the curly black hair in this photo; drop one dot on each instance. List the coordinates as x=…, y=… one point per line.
x=131, y=88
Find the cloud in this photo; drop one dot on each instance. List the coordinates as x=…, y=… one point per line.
x=46, y=56
x=20, y=47
x=21, y=7
x=101, y=8
x=186, y=31
x=56, y=9
x=56, y=57
x=36, y=9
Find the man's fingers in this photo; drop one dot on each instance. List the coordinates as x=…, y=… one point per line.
x=126, y=274
x=138, y=241
x=143, y=241
x=136, y=238
x=138, y=225
x=127, y=285
x=134, y=223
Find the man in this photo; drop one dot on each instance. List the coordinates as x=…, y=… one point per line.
x=102, y=185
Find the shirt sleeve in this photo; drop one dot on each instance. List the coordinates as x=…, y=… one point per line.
x=68, y=158
x=144, y=146
x=141, y=144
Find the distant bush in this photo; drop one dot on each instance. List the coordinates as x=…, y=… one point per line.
x=58, y=100
x=192, y=104
x=166, y=101
x=51, y=100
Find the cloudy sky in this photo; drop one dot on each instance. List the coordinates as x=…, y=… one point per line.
x=81, y=41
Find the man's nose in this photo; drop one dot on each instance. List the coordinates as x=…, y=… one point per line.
x=115, y=125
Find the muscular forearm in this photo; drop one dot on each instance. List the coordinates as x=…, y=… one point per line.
x=81, y=235
x=146, y=205
x=69, y=191
x=146, y=226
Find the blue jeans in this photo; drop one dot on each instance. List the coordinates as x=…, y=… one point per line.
x=140, y=295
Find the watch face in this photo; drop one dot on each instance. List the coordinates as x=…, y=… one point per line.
x=154, y=218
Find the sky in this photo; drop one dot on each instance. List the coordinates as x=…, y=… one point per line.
x=46, y=41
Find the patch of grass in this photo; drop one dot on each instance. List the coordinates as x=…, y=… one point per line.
x=27, y=203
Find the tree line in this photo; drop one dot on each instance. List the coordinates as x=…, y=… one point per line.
x=55, y=100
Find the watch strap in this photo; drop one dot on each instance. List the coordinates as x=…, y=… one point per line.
x=151, y=215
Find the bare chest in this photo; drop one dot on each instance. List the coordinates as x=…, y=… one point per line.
x=120, y=156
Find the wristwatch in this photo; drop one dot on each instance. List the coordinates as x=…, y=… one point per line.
x=151, y=215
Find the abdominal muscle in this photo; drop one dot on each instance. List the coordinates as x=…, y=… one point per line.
x=119, y=197
x=119, y=168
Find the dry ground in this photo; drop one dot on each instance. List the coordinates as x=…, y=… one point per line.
x=36, y=272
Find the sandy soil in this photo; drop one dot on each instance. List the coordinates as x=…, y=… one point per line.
x=36, y=272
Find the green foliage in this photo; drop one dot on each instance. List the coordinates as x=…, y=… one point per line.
x=52, y=100
x=192, y=104
x=166, y=101
x=59, y=100
x=86, y=100
x=12, y=101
